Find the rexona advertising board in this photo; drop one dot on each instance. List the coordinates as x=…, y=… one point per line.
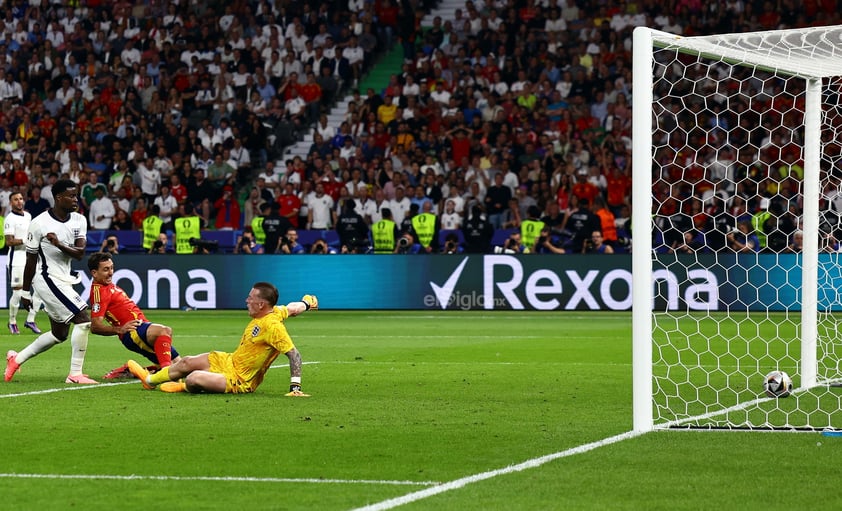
x=451, y=282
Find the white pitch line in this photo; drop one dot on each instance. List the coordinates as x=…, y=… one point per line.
x=234, y=479
x=459, y=483
x=99, y=386
x=66, y=389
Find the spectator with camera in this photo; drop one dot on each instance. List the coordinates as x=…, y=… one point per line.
x=111, y=245
x=320, y=246
x=290, y=244
x=596, y=244
x=408, y=244
x=451, y=244
x=247, y=244
x=512, y=245
x=160, y=245
x=544, y=244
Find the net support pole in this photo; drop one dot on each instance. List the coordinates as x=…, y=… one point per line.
x=810, y=253
x=642, y=97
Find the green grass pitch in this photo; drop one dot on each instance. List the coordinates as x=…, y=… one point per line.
x=402, y=402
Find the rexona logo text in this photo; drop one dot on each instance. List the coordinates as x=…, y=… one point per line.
x=199, y=292
x=507, y=285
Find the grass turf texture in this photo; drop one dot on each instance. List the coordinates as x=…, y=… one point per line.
x=397, y=396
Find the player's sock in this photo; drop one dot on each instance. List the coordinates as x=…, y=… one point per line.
x=36, y=306
x=79, y=345
x=41, y=344
x=161, y=376
x=14, y=306
x=163, y=350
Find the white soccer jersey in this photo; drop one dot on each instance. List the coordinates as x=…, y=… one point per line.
x=17, y=225
x=55, y=264
x=321, y=208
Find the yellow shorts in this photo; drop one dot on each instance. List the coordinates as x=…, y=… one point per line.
x=222, y=363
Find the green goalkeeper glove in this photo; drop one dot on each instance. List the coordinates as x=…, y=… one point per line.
x=311, y=302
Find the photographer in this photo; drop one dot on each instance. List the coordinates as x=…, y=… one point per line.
x=159, y=246
x=111, y=245
x=290, y=244
x=596, y=244
x=407, y=244
x=544, y=244
x=512, y=245
x=321, y=247
x=451, y=244
x=247, y=244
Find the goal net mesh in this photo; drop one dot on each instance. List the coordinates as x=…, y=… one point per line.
x=727, y=184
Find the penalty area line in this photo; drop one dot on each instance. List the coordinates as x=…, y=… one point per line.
x=464, y=481
x=226, y=479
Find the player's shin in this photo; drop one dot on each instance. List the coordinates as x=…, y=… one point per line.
x=36, y=306
x=79, y=345
x=14, y=305
x=41, y=344
x=163, y=350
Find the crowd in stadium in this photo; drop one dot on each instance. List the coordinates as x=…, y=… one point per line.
x=512, y=112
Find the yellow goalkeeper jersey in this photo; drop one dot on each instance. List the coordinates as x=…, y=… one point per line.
x=263, y=340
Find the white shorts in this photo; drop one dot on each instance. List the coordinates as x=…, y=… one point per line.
x=61, y=301
x=16, y=276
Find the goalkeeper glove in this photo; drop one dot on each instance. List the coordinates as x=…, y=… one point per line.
x=295, y=391
x=311, y=302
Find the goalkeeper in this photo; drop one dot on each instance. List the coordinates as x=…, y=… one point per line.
x=264, y=338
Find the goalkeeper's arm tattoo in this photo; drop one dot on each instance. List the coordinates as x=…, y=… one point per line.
x=294, y=362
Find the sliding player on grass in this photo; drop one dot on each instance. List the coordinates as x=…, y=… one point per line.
x=114, y=313
x=264, y=338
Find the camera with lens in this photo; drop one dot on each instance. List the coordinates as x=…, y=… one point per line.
x=157, y=245
x=204, y=245
x=403, y=242
x=110, y=243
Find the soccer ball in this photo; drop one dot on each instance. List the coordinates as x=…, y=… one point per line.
x=777, y=384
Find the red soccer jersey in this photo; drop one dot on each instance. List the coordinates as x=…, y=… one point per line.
x=290, y=204
x=113, y=304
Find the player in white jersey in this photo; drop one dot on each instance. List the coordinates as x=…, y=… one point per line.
x=55, y=237
x=14, y=230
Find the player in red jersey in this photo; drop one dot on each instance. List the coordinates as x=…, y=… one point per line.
x=114, y=313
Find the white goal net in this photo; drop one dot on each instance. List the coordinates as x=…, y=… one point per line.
x=737, y=175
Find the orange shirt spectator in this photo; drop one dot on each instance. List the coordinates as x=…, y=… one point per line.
x=585, y=190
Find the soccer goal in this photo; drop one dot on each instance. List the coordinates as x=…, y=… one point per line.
x=737, y=166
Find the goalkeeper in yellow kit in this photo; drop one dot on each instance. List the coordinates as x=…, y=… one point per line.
x=264, y=338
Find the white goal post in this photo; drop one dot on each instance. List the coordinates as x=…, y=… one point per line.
x=737, y=154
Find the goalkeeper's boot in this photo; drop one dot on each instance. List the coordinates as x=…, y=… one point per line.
x=173, y=386
x=140, y=373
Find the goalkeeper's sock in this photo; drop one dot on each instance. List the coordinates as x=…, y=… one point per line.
x=160, y=377
x=163, y=350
